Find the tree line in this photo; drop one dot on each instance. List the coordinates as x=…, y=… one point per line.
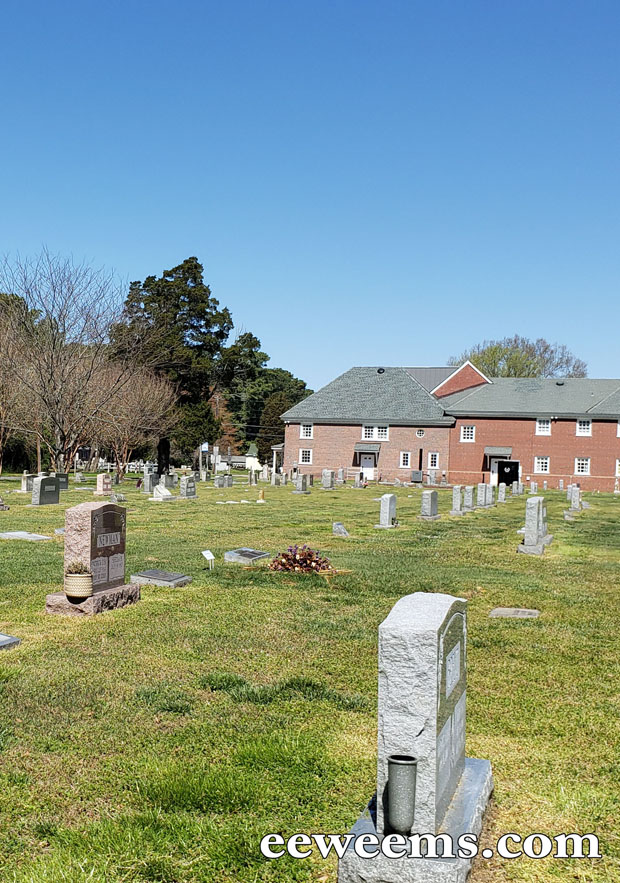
x=86, y=364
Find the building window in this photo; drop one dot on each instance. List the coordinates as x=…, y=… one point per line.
x=305, y=456
x=405, y=459
x=541, y=464
x=543, y=426
x=375, y=432
x=468, y=433
x=584, y=427
x=420, y=432
x=306, y=430
x=582, y=466
x=433, y=460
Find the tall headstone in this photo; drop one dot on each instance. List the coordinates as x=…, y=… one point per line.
x=533, y=487
x=501, y=492
x=481, y=496
x=432, y=477
x=468, y=498
x=561, y=485
x=545, y=485
x=95, y=535
x=45, y=491
x=429, y=506
x=421, y=716
x=187, y=487
x=301, y=484
x=387, y=515
x=27, y=480
x=535, y=534
x=457, y=500
x=284, y=479
x=149, y=482
x=515, y=489
x=575, y=498
x=218, y=481
x=341, y=474
x=327, y=479
x=490, y=495
x=104, y=485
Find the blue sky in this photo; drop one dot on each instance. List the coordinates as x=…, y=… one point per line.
x=365, y=183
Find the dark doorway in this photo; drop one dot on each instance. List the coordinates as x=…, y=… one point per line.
x=507, y=471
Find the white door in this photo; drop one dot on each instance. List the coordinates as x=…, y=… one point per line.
x=367, y=466
x=493, y=479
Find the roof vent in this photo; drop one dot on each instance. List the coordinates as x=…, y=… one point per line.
x=559, y=383
x=380, y=370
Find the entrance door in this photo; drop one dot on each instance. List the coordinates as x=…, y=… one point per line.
x=507, y=471
x=367, y=466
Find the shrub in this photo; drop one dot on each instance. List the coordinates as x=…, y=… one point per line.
x=300, y=560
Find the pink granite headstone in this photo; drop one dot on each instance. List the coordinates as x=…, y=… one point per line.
x=95, y=535
x=104, y=485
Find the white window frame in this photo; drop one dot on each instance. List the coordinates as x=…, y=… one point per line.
x=433, y=454
x=303, y=462
x=618, y=429
x=546, y=430
x=303, y=426
x=577, y=470
x=406, y=454
x=473, y=429
x=538, y=469
x=617, y=468
x=370, y=432
x=578, y=430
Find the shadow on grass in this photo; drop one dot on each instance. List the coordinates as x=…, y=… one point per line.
x=241, y=690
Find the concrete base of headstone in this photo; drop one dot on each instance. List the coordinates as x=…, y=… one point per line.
x=429, y=517
x=8, y=641
x=464, y=815
x=536, y=549
x=159, y=578
x=457, y=511
x=385, y=526
x=303, y=493
x=99, y=601
x=514, y=613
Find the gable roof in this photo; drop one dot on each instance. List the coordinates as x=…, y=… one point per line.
x=429, y=378
x=371, y=394
x=466, y=376
x=544, y=397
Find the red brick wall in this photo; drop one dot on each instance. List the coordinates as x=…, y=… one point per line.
x=466, y=378
x=562, y=446
x=333, y=446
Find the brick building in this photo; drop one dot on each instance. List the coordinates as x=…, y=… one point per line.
x=391, y=422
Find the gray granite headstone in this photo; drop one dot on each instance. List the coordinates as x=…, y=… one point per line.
x=339, y=530
x=481, y=496
x=468, y=498
x=429, y=506
x=301, y=484
x=187, y=487
x=561, y=485
x=490, y=495
x=387, y=514
x=27, y=480
x=515, y=488
x=501, y=493
x=457, y=500
x=421, y=714
x=45, y=491
x=533, y=487
x=432, y=477
x=151, y=480
x=327, y=479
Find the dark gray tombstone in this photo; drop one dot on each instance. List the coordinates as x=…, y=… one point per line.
x=45, y=492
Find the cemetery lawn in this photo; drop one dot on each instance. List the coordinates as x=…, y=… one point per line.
x=160, y=742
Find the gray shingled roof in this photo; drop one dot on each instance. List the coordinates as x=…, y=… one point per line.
x=544, y=397
x=429, y=378
x=363, y=395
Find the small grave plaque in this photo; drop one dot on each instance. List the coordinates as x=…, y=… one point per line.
x=8, y=641
x=160, y=578
x=513, y=613
x=22, y=535
x=245, y=556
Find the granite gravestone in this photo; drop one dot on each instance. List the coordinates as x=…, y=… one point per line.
x=421, y=715
x=490, y=496
x=457, y=500
x=501, y=493
x=151, y=479
x=27, y=480
x=481, y=496
x=387, y=513
x=533, y=487
x=45, y=491
x=515, y=489
x=339, y=530
x=95, y=535
x=327, y=479
x=162, y=494
x=301, y=484
x=187, y=487
x=104, y=485
x=535, y=534
x=160, y=578
x=432, y=477
x=429, y=506
x=468, y=498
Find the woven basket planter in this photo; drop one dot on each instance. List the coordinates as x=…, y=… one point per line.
x=78, y=585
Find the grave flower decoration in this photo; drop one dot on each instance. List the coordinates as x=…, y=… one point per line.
x=300, y=559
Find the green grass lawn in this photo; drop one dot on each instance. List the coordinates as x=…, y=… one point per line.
x=160, y=742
